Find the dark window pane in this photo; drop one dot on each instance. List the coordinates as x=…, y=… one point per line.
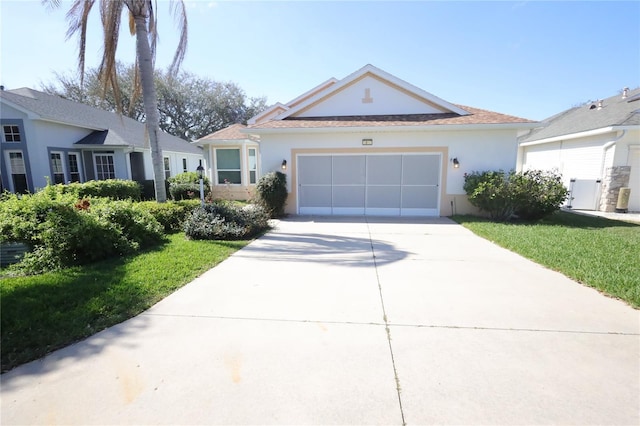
x=229, y=176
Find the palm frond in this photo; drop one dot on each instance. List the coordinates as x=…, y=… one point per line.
x=110, y=15
x=179, y=12
x=78, y=18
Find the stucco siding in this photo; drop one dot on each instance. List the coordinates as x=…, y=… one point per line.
x=475, y=150
x=369, y=96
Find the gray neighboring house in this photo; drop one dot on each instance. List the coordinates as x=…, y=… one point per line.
x=48, y=137
x=595, y=146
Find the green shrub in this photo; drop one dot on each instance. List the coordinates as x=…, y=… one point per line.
x=187, y=191
x=529, y=195
x=490, y=192
x=226, y=221
x=171, y=215
x=537, y=193
x=188, y=177
x=115, y=189
x=271, y=193
x=63, y=231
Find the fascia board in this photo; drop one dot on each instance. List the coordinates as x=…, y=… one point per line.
x=322, y=86
x=434, y=128
x=570, y=136
x=256, y=117
x=380, y=74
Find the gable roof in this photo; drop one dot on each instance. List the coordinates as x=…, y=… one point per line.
x=295, y=114
x=110, y=128
x=370, y=70
x=615, y=112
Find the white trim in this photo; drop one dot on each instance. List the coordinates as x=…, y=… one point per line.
x=421, y=128
x=7, y=154
x=584, y=134
x=63, y=157
x=78, y=156
x=384, y=76
x=95, y=163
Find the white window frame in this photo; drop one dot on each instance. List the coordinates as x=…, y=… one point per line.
x=68, y=165
x=217, y=170
x=166, y=165
x=185, y=165
x=249, y=169
x=63, y=170
x=8, y=153
x=95, y=164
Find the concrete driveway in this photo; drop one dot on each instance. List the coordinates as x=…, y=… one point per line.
x=352, y=321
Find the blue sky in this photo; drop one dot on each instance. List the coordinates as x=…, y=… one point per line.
x=528, y=58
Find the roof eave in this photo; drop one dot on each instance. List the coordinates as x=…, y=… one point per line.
x=420, y=128
x=587, y=133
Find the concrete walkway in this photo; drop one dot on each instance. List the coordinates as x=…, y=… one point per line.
x=352, y=321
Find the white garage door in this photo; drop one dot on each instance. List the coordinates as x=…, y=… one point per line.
x=376, y=185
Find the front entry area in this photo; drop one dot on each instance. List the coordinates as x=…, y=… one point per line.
x=373, y=184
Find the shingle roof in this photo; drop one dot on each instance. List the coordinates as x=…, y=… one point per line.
x=615, y=111
x=120, y=130
x=232, y=132
x=476, y=116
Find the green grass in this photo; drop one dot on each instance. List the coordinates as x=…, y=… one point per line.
x=598, y=252
x=45, y=312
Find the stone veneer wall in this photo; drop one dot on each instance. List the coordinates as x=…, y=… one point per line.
x=614, y=179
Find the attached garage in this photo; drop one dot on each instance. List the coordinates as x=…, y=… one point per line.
x=373, y=184
x=373, y=144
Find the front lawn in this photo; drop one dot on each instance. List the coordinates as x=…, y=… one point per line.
x=598, y=252
x=45, y=312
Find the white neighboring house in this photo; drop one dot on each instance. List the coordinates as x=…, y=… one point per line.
x=48, y=137
x=596, y=148
x=373, y=144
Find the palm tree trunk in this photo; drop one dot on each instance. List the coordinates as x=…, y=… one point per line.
x=150, y=100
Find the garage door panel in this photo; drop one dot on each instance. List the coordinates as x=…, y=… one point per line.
x=348, y=196
x=349, y=170
x=384, y=169
x=419, y=197
x=315, y=196
x=314, y=170
x=386, y=196
x=420, y=170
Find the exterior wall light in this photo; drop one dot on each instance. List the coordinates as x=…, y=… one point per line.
x=456, y=163
x=284, y=164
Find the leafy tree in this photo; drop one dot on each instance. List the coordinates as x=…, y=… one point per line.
x=143, y=24
x=190, y=107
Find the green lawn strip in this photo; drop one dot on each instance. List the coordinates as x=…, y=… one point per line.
x=45, y=312
x=598, y=252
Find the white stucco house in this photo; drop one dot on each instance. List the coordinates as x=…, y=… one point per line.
x=367, y=144
x=596, y=148
x=49, y=137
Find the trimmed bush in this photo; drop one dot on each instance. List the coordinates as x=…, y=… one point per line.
x=271, y=193
x=529, y=195
x=226, y=221
x=170, y=215
x=115, y=189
